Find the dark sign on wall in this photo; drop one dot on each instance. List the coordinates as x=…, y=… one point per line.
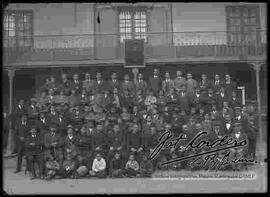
x=134, y=53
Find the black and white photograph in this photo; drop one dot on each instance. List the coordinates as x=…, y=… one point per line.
x=134, y=98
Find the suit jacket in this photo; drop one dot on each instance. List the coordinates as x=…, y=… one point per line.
x=115, y=139
x=128, y=87
x=49, y=138
x=227, y=130
x=141, y=85
x=65, y=86
x=43, y=127
x=166, y=86
x=112, y=85
x=205, y=86
x=52, y=118
x=177, y=83
x=75, y=85
x=32, y=112
x=191, y=84
x=216, y=85
x=229, y=88
x=155, y=84
x=37, y=148
x=22, y=130
x=221, y=99
x=88, y=85
x=234, y=102
x=99, y=88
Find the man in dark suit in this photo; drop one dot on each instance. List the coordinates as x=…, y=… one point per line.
x=184, y=100
x=113, y=83
x=21, y=132
x=20, y=109
x=65, y=85
x=33, y=111
x=221, y=97
x=234, y=101
x=43, y=123
x=75, y=84
x=155, y=82
x=141, y=85
x=252, y=133
x=217, y=84
x=127, y=85
x=34, y=147
x=229, y=85
x=204, y=84
x=88, y=84
x=99, y=84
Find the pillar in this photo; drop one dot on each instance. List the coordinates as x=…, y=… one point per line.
x=257, y=66
x=10, y=145
x=135, y=73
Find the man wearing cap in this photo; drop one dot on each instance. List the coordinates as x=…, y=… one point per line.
x=34, y=145
x=155, y=82
x=54, y=144
x=113, y=83
x=241, y=151
x=217, y=132
x=70, y=143
x=21, y=133
x=141, y=85
x=227, y=124
x=179, y=81
x=88, y=83
x=234, y=101
x=76, y=118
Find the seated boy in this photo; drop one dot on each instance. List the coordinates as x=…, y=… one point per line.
x=146, y=167
x=116, y=166
x=98, y=167
x=69, y=168
x=52, y=167
x=132, y=167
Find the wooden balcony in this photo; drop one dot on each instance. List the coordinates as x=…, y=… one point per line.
x=159, y=47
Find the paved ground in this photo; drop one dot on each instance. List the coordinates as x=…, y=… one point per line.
x=21, y=184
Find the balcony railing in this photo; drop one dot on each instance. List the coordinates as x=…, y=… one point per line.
x=157, y=46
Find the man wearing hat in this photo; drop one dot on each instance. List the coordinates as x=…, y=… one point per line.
x=33, y=110
x=155, y=82
x=217, y=132
x=227, y=124
x=99, y=138
x=76, y=118
x=88, y=83
x=141, y=85
x=21, y=133
x=238, y=117
x=113, y=83
x=54, y=144
x=34, y=145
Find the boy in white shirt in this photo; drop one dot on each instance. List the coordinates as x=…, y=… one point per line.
x=98, y=167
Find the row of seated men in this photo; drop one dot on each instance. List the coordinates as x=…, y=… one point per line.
x=139, y=136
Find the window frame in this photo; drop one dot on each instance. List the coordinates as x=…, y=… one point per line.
x=132, y=10
x=27, y=33
x=242, y=33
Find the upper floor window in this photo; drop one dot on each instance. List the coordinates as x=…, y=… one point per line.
x=132, y=24
x=18, y=28
x=243, y=23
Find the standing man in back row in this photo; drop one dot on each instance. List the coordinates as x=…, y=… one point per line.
x=155, y=82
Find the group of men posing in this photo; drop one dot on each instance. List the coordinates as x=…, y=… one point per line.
x=108, y=128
